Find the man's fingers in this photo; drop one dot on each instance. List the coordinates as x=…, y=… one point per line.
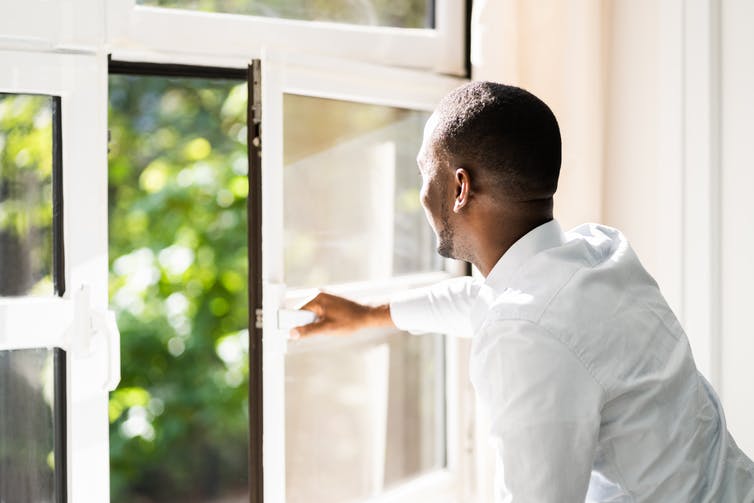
x=315, y=305
x=336, y=315
x=308, y=330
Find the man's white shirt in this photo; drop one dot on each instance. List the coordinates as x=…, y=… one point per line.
x=586, y=374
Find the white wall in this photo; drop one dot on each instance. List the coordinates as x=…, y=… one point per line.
x=678, y=174
x=737, y=177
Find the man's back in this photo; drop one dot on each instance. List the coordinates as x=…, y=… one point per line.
x=589, y=379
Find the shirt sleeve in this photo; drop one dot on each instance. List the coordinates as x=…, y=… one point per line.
x=442, y=308
x=544, y=409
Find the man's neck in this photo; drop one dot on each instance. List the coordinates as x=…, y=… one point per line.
x=496, y=238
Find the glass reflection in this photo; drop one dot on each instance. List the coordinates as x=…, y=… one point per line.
x=28, y=423
x=363, y=418
x=351, y=197
x=26, y=201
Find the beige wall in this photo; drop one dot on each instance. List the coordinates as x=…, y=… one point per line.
x=631, y=197
x=555, y=49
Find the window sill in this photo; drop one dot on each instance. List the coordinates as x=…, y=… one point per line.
x=438, y=486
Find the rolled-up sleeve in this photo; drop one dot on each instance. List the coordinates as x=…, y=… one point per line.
x=442, y=308
x=544, y=408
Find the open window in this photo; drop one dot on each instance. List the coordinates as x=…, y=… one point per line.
x=178, y=260
x=379, y=418
x=335, y=204
x=372, y=416
x=58, y=344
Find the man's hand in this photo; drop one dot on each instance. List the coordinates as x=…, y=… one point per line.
x=339, y=316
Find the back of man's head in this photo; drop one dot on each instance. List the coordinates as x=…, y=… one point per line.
x=504, y=136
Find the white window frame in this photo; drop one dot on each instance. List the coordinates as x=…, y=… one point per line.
x=287, y=72
x=60, y=48
x=79, y=321
x=158, y=34
x=53, y=25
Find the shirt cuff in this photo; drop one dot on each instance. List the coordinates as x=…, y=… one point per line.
x=409, y=310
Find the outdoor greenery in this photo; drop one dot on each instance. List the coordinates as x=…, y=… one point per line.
x=178, y=265
x=399, y=13
x=25, y=194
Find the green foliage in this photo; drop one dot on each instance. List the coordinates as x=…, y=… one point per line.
x=178, y=257
x=25, y=161
x=25, y=194
x=399, y=13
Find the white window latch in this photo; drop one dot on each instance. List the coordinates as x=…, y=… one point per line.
x=93, y=331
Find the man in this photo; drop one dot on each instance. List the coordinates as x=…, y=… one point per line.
x=586, y=373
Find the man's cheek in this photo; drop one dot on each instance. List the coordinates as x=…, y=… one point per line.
x=431, y=221
x=424, y=197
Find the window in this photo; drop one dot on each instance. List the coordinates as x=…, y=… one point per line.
x=32, y=426
x=364, y=415
x=178, y=265
x=352, y=210
x=352, y=214
x=178, y=191
x=419, y=34
x=54, y=289
x=29, y=170
x=397, y=13
x=32, y=380
x=56, y=48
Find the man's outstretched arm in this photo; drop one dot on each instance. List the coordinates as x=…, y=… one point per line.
x=441, y=308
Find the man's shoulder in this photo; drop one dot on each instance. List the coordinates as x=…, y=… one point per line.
x=574, y=288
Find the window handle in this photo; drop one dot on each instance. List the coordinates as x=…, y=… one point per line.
x=289, y=318
x=93, y=331
x=104, y=326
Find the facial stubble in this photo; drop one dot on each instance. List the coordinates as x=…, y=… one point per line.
x=446, y=234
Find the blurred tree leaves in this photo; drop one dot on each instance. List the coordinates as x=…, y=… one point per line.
x=25, y=194
x=178, y=265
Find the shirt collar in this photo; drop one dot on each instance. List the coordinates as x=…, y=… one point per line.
x=546, y=236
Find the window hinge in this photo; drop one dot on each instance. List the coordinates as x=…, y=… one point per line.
x=255, y=103
x=256, y=88
x=260, y=318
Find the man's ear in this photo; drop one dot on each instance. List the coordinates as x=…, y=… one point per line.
x=463, y=189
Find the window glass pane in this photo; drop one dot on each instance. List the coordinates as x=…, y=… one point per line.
x=361, y=419
x=398, y=13
x=31, y=383
x=351, y=198
x=178, y=187
x=26, y=201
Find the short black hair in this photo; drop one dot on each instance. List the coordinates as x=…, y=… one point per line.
x=503, y=134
